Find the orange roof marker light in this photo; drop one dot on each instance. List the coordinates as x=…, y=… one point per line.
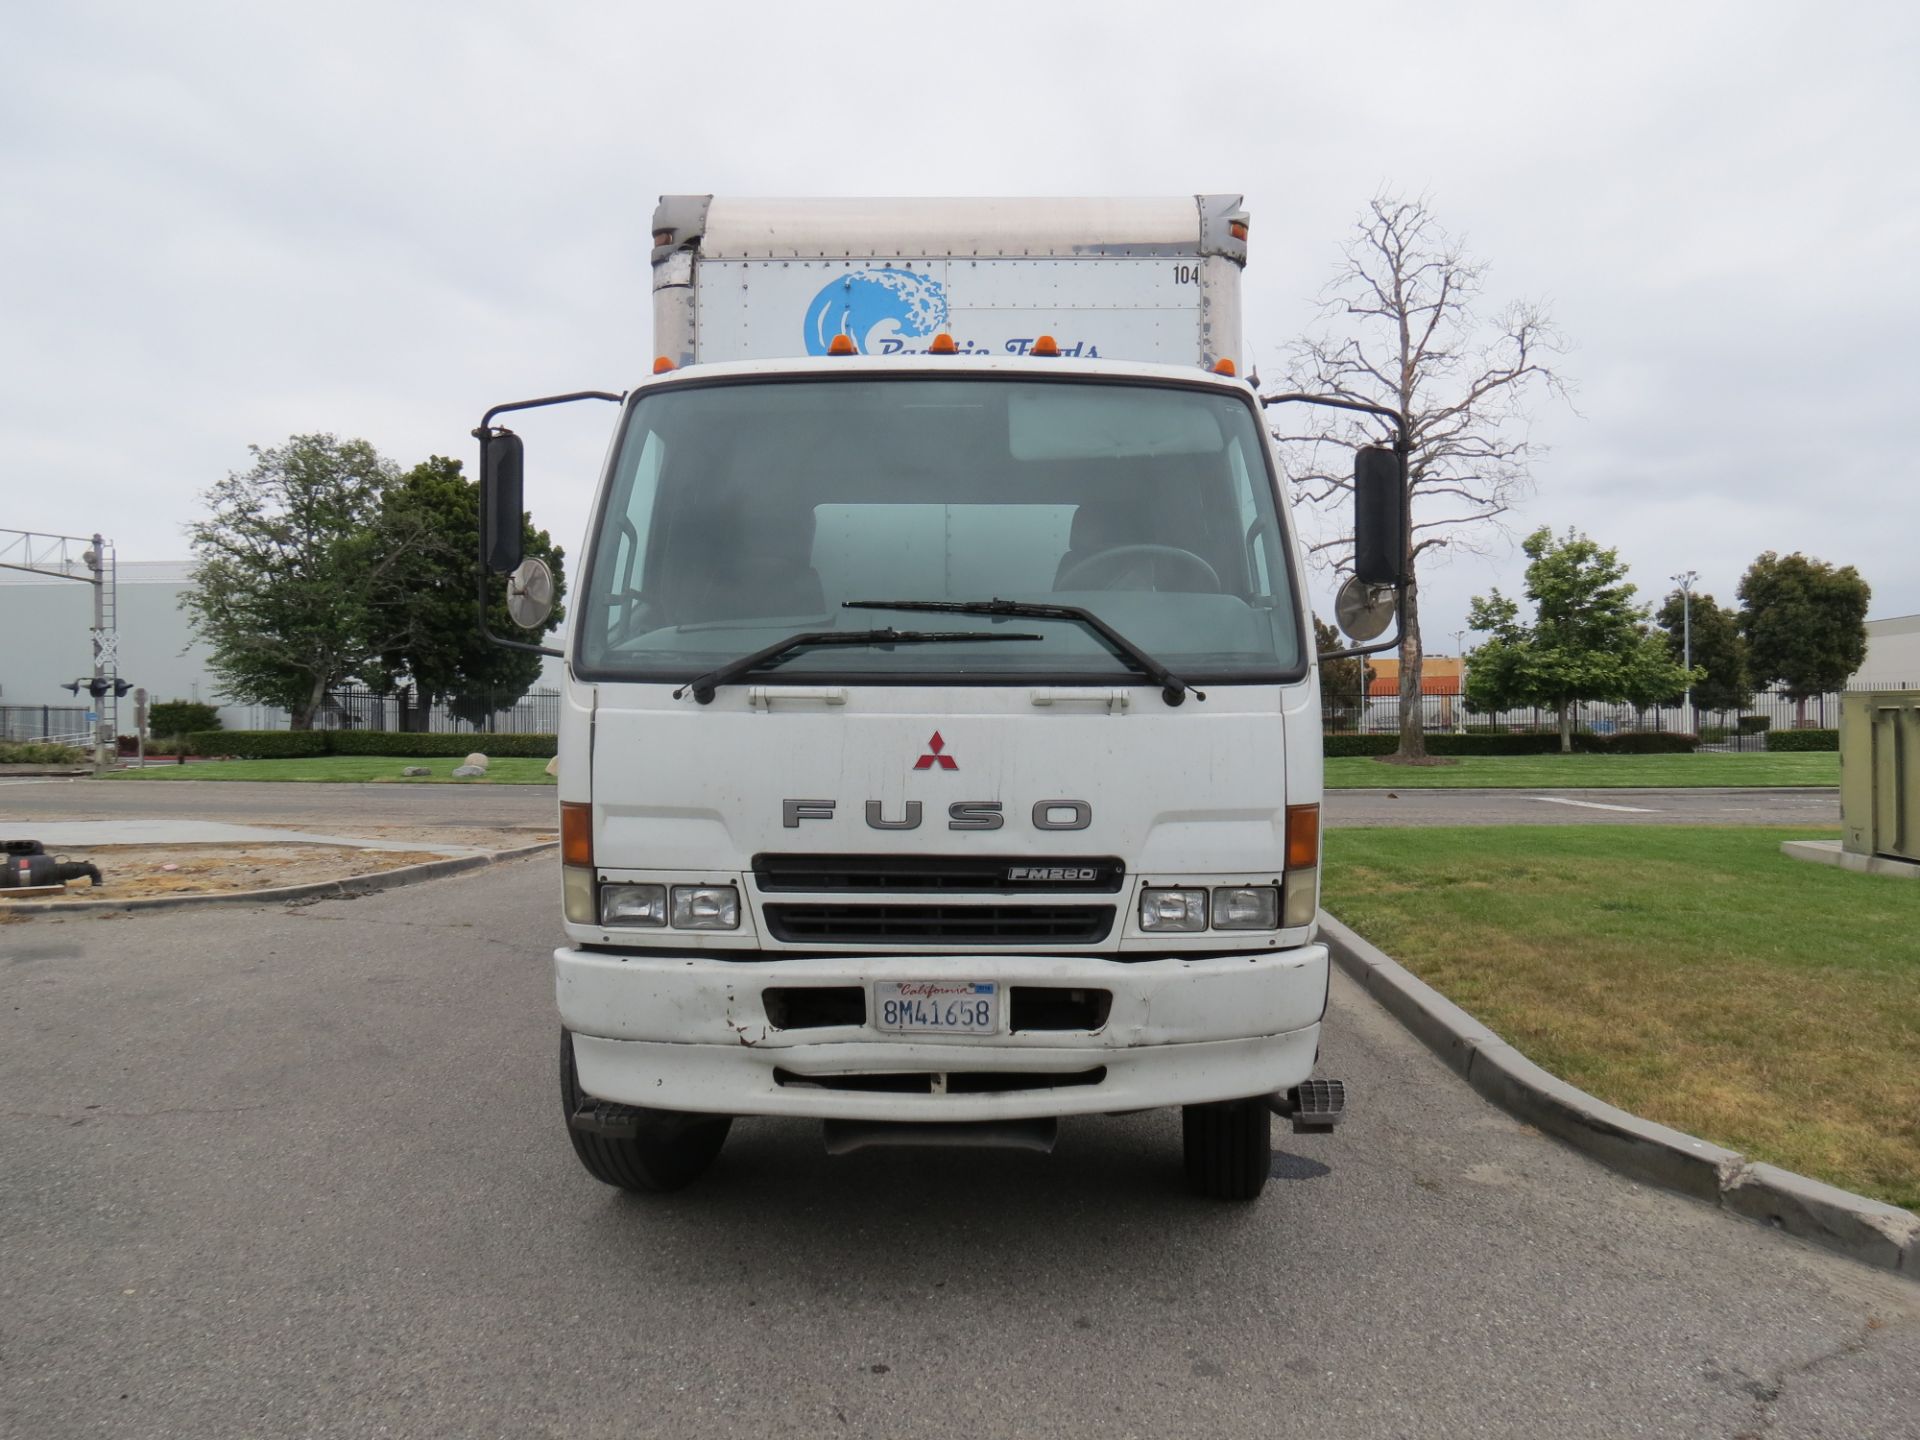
x=1045, y=345
x=842, y=345
x=1224, y=367
x=1237, y=229
x=943, y=345
x=661, y=364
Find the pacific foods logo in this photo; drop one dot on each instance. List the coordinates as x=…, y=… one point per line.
x=898, y=312
x=881, y=311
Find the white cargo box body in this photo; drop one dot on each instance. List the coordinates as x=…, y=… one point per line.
x=1154, y=280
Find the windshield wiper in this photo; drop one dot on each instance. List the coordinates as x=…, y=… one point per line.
x=703, y=686
x=1173, y=689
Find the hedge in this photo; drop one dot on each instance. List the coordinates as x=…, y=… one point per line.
x=1754, y=724
x=1539, y=742
x=181, y=717
x=397, y=742
x=258, y=744
x=300, y=744
x=1803, y=739
x=39, y=752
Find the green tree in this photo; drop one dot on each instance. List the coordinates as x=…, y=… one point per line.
x=282, y=566
x=1805, y=624
x=1343, y=683
x=1718, y=651
x=1588, y=639
x=425, y=605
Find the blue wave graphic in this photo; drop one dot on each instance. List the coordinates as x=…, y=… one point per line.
x=877, y=309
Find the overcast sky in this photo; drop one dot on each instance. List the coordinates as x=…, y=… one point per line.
x=226, y=224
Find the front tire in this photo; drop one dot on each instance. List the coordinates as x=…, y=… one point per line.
x=1228, y=1148
x=669, y=1151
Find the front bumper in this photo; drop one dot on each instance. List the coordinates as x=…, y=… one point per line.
x=682, y=1032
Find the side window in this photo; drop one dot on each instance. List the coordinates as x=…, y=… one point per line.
x=632, y=523
x=638, y=523
x=1253, y=527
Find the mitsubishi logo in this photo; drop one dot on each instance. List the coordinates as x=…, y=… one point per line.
x=937, y=758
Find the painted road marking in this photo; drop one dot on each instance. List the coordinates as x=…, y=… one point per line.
x=1593, y=805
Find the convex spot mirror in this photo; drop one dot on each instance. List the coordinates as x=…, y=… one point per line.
x=530, y=594
x=502, y=508
x=1364, y=611
x=1379, y=516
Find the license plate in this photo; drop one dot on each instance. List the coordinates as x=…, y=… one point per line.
x=937, y=1007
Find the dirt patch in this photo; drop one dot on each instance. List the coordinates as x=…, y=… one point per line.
x=135, y=872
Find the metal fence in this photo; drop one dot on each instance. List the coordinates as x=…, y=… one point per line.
x=62, y=724
x=350, y=707
x=1350, y=714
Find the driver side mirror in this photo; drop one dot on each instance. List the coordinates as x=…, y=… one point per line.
x=502, y=507
x=1379, y=516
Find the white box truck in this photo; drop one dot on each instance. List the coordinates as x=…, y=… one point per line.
x=940, y=752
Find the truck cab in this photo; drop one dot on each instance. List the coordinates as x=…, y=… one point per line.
x=940, y=752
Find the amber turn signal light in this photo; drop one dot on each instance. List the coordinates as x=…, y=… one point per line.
x=576, y=832
x=1303, y=837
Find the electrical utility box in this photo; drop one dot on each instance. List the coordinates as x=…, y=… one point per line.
x=1880, y=773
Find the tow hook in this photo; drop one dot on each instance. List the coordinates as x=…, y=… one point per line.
x=1314, y=1106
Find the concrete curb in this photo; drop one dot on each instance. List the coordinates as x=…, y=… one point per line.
x=1866, y=1230
x=316, y=890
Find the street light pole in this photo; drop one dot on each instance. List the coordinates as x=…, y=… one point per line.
x=1685, y=580
x=1460, y=703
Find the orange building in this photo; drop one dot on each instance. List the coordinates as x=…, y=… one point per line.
x=1440, y=675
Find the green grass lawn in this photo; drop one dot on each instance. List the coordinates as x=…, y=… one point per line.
x=1575, y=772
x=504, y=770
x=1692, y=975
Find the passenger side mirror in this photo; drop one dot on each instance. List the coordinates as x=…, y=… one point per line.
x=502, y=507
x=1379, y=516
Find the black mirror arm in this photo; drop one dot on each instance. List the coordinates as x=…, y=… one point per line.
x=1401, y=448
x=481, y=434
x=1335, y=402
x=1354, y=652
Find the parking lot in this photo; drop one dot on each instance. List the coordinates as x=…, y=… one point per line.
x=301, y=1170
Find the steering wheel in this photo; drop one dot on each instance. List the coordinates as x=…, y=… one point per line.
x=1106, y=560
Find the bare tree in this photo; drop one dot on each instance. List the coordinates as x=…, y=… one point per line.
x=1401, y=329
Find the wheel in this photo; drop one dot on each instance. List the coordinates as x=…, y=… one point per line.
x=1123, y=576
x=668, y=1151
x=1228, y=1148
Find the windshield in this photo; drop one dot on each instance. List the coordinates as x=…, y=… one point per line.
x=741, y=513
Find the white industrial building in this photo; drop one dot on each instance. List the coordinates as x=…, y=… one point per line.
x=1893, y=654
x=45, y=642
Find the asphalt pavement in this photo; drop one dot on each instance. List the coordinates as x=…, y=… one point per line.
x=343, y=807
x=301, y=1171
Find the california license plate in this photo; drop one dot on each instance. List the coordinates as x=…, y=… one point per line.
x=937, y=1007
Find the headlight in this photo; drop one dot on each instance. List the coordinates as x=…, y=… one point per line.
x=1173, y=910
x=1246, y=907
x=633, y=904
x=706, y=907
